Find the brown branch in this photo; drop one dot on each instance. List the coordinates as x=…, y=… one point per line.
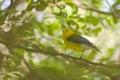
x=27, y=64
x=81, y=62
x=95, y=10
x=64, y=56
x=81, y=59
x=98, y=67
x=81, y=5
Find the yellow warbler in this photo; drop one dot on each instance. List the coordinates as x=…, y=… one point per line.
x=77, y=42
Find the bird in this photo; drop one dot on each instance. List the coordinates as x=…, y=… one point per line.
x=77, y=42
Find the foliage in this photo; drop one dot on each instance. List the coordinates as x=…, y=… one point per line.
x=31, y=45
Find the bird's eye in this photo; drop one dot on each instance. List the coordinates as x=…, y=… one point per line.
x=67, y=30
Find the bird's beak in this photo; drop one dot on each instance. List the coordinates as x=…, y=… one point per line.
x=62, y=28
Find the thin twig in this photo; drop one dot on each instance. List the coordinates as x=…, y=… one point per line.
x=112, y=10
x=66, y=56
x=27, y=64
x=95, y=10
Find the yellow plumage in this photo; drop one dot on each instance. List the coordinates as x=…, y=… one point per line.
x=76, y=42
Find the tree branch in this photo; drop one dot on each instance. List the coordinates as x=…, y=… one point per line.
x=95, y=10
x=98, y=67
x=81, y=62
x=80, y=5
x=64, y=55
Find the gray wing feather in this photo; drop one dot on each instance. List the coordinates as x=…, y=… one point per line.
x=81, y=40
x=78, y=39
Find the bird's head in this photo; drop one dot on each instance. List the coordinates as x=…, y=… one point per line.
x=67, y=31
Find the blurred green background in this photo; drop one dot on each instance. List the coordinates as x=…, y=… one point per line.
x=32, y=48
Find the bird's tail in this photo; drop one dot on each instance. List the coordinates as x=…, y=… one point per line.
x=94, y=47
x=98, y=50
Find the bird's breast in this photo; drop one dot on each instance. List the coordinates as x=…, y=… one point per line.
x=75, y=46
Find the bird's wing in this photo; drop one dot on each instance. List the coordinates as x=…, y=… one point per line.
x=78, y=39
x=81, y=40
